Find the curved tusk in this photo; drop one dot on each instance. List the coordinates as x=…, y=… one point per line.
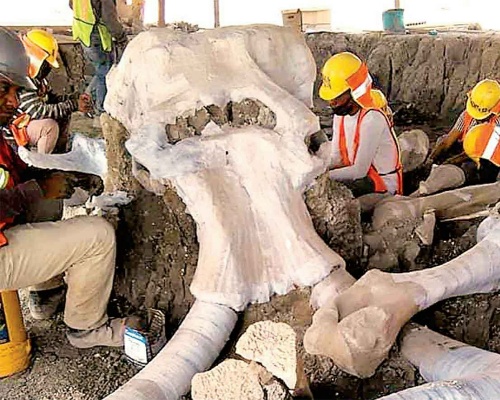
x=193, y=348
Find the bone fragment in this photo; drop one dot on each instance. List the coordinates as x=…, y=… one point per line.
x=447, y=205
x=442, y=177
x=232, y=379
x=414, y=146
x=238, y=380
x=274, y=346
x=358, y=328
x=425, y=231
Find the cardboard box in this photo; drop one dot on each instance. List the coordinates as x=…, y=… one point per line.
x=307, y=20
x=292, y=19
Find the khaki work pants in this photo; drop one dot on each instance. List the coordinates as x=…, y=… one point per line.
x=83, y=248
x=43, y=133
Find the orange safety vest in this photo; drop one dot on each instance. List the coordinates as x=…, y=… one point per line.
x=7, y=162
x=19, y=129
x=373, y=174
x=486, y=145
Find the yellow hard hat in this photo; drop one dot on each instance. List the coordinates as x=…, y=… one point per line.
x=379, y=99
x=40, y=46
x=483, y=98
x=336, y=71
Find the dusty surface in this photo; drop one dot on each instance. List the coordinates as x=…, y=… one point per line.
x=59, y=371
x=327, y=381
x=428, y=76
x=336, y=218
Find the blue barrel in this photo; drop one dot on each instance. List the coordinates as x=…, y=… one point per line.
x=393, y=20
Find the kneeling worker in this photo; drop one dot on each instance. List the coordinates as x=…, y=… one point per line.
x=482, y=145
x=48, y=115
x=483, y=104
x=31, y=253
x=364, y=149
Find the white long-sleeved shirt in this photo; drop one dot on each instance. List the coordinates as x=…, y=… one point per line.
x=376, y=146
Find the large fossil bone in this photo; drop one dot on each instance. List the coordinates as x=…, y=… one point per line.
x=243, y=186
x=358, y=328
x=192, y=349
x=454, y=370
x=401, y=225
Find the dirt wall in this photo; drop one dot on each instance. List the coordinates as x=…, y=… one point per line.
x=430, y=74
x=71, y=76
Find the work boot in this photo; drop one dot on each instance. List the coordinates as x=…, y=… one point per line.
x=43, y=304
x=110, y=334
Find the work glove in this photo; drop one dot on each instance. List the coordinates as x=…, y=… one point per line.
x=93, y=184
x=61, y=184
x=85, y=103
x=315, y=140
x=57, y=185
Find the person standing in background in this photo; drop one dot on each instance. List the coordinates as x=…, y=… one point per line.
x=97, y=28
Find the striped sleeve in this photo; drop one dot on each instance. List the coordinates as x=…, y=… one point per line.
x=37, y=108
x=460, y=123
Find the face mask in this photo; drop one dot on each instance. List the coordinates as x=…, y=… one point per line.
x=343, y=110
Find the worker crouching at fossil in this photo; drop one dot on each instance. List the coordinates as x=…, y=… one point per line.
x=363, y=153
x=467, y=153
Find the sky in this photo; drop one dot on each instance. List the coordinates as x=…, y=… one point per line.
x=345, y=15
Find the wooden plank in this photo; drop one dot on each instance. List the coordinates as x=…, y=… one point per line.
x=53, y=28
x=161, y=13
x=216, y=14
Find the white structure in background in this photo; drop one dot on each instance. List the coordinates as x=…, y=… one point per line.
x=345, y=16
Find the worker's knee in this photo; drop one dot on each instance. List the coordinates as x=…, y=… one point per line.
x=49, y=127
x=103, y=230
x=95, y=230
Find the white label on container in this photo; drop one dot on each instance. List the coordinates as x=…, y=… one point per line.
x=136, y=345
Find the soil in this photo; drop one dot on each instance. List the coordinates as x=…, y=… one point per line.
x=61, y=372
x=157, y=247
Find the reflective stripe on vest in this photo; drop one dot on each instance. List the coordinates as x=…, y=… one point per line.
x=373, y=174
x=84, y=21
x=6, y=164
x=360, y=84
x=489, y=148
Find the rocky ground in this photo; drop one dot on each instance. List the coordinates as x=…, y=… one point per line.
x=59, y=371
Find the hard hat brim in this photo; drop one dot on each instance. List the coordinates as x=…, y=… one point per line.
x=18, y=80
x=474, y=113
x=25, y=83
x=52, y=61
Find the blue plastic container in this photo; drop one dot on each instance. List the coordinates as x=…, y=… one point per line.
x=393, y=21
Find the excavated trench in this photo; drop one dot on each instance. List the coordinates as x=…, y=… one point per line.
x=426, y=79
